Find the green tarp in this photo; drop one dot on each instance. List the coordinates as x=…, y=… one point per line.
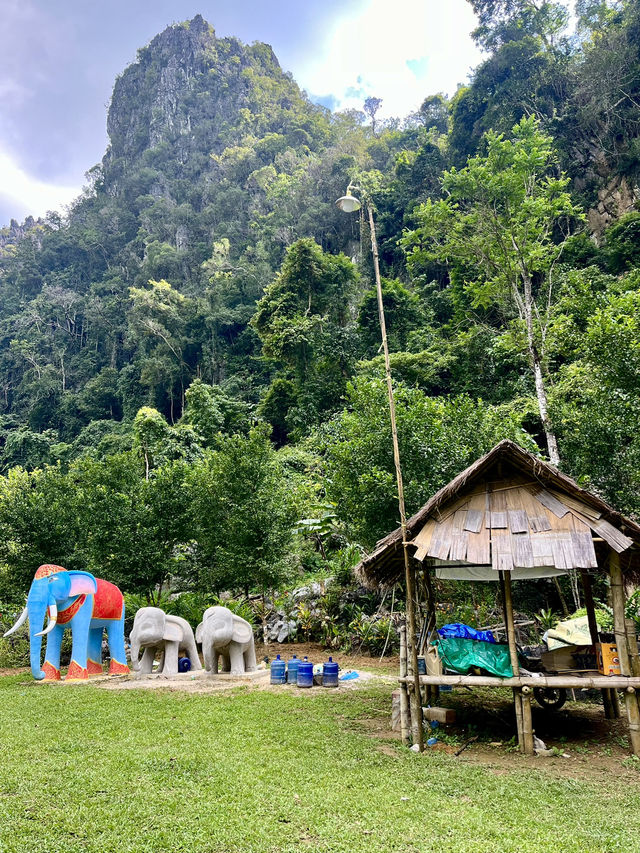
x=461, y=655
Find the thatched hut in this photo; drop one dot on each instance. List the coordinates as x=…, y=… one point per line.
x=510, y=516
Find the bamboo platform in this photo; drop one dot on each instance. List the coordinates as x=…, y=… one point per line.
x=616, y=682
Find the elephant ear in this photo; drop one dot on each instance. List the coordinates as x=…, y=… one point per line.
x=172, y=631
x=199, y=633
x=242, y=631
x=82, y=583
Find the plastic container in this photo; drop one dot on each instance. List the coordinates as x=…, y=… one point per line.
x=305, y=673
x=278, y=671
x=292, y=670
x=432, y=741
x=422, y=665
x=184, y=664
x=330, y=673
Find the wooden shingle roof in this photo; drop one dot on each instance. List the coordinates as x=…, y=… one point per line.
x=509, y=510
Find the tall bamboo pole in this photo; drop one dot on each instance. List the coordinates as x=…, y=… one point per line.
x=617, y=600
x=404, y=696
x=505, y=582
x=416, y=704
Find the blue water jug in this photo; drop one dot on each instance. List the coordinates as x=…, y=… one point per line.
x=278, y=671
x=330, y=673
x=184, y=664
x=292, y=670
x=305, y=673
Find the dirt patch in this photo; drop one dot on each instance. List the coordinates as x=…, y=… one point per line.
x=586, y=745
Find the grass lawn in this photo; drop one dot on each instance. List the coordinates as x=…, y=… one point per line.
x=87, y=769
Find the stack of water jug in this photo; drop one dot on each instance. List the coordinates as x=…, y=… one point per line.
x=300, y=672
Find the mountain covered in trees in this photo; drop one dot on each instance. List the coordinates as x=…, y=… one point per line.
x=189, y=357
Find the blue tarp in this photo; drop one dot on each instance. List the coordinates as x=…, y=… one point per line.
x=464, y=632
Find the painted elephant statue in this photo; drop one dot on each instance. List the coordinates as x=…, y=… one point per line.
x=158, y=632
x=88, y=606
x=224, y=634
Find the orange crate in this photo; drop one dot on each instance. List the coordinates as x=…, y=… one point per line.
x=608, y=660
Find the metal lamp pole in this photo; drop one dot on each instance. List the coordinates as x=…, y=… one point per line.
x=349, y=203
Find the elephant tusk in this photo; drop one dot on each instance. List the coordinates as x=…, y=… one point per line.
x=21, y=620
x=53, y=618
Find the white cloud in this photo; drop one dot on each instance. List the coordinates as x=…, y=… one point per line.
x=367, y=51
x=27, y=195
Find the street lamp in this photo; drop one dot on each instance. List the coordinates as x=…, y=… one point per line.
x=349, y=204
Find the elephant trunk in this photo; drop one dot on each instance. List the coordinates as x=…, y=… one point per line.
x=135, y=654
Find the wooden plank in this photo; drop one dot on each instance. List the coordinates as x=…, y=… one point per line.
x=562, y=550
x=539, y=523
x=479, y=548
x=474, y=520
x=459, y=543
x=612, y=536
x=518, y=521
x=498, y=501
x=583, y=550
x=440, y=541
x=522, y=551
x=573, y=503
x=459, y=518
x=617, y=682
x=542, y=550
x=448, y=510
x=422, y=540
x=550, y=502
x=498, y=520
x=501, y=554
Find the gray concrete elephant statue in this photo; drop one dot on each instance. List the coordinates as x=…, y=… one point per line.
x=158, y=632
x=224, y=634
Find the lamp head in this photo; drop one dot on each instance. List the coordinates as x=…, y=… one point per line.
x=348, y=203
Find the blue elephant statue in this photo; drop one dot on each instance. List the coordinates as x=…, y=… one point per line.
x=88, y=606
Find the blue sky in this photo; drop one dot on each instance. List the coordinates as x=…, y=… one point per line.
x=59, y=59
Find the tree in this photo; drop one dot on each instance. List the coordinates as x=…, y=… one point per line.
x=438, y=438
x=371, y=107
x=501, y=229
x=243, y=514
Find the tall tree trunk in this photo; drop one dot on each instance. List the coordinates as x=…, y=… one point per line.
x=541, y=393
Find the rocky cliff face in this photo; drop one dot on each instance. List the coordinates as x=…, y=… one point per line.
x=191, y=93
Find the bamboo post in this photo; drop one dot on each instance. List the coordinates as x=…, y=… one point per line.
x=609, y=701
x=618, y=600
x=433, y=691
x=404, y=695
x=632, y=643
x=412, y=651
x=527, y=723
x=505, y=583
x=615, y=703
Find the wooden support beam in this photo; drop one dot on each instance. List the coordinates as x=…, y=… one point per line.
x=614, y=682
x=632, y=643
x=618, y=602
x=607, y=702
x=609, y=697
x=527, y=724
x=513, y=656
x=405, y=722
x=590, y=605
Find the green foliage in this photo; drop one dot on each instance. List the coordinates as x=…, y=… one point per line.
x=243, y=514
x=437, y=437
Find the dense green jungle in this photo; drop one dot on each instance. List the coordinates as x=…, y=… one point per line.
x=192, y=392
